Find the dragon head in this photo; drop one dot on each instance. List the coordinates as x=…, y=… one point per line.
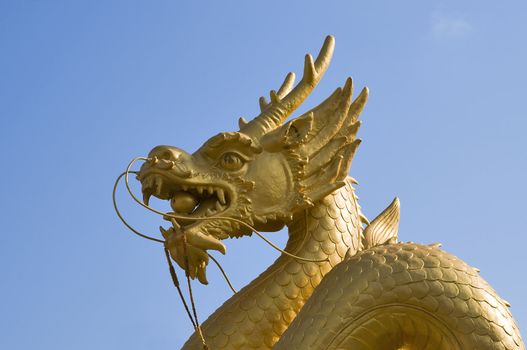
x=259, y=176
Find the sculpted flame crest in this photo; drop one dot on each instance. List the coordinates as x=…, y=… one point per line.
x=362, y=289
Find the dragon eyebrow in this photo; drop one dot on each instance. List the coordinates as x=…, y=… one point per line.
x=216, y=145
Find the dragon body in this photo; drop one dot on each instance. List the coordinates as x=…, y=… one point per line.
x=355, y=286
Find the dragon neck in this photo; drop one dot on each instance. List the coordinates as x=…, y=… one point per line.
x=256, y=316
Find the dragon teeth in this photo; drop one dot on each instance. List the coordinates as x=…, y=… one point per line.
x=221, y=196
x=146, y=198
x=218, y=206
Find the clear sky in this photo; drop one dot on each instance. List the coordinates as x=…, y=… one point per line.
x=87, y=85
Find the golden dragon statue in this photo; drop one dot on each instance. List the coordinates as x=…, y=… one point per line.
x=356, y=286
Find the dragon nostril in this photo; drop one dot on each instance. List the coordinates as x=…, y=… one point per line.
x=165, y=153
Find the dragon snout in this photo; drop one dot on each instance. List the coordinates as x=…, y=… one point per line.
x=163, y=172
x=166, y=153
x=163, y=159
x=168, y=158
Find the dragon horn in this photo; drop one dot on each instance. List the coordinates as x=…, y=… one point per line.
x=286, y=100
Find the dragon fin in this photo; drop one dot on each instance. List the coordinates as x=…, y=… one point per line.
x=383, y=229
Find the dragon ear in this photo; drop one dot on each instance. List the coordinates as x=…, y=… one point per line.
x=289, y=135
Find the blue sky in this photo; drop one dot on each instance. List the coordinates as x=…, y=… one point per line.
x=87, y=85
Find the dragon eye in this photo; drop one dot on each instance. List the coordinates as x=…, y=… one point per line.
x=231, y=161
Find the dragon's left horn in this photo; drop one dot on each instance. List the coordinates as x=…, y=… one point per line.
x=285, y=101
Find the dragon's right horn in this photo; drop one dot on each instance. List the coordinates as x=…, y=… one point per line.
x=286, y=100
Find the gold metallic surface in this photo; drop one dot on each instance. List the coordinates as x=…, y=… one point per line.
x=355, y=287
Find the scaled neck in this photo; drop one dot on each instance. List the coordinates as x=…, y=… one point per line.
x=256, y=316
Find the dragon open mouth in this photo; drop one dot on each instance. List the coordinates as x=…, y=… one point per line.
x=188, y=200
